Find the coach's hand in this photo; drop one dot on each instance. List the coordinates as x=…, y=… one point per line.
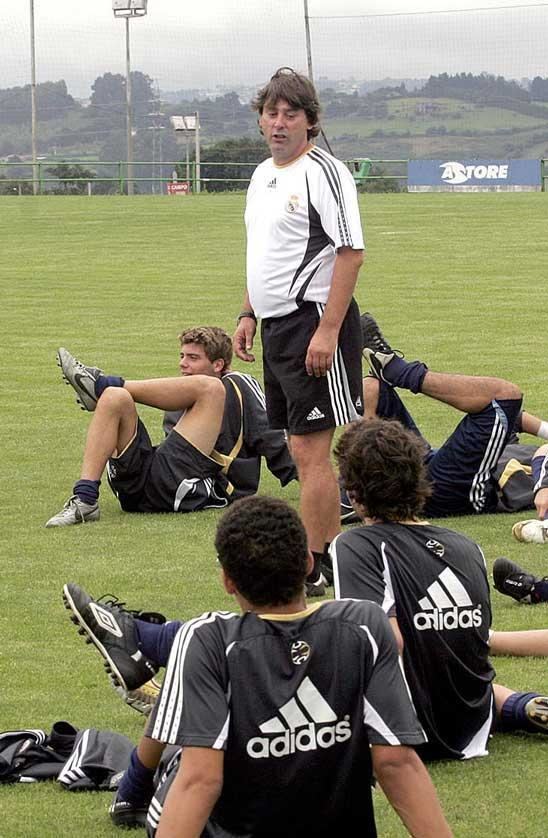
x=321, y=349
x=242, y=341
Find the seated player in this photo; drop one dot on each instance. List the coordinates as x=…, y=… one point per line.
x=512, y=580
x=282, y=713
x=216, y=433
x=476, y=470
x=432, y=583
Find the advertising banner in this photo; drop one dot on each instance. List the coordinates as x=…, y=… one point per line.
x=473, y=175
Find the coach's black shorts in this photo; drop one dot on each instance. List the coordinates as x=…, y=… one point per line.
x=302, y=403
x=172, y=477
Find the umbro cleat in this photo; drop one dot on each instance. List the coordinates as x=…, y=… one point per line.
x=81, y=377
x=75, y=511
x=111, y=628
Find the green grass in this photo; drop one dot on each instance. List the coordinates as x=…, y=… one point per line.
x=458, y=280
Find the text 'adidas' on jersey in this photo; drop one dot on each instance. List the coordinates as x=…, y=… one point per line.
x=434, y=582
x=295, y=701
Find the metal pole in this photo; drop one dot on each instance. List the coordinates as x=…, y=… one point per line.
x=33, y=100
x=128, y=116
x=308, y=45
x=197, y=138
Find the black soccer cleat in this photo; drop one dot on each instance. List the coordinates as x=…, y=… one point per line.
x=125, y=814
x=376, y=349
x=111, y=628
x=510, y=579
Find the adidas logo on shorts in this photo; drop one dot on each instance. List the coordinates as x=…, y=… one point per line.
x=309, y=723
x=315, y=413
x=447, y=606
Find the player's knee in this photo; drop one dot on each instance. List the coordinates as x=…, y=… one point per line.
x=508, y=390
x=311, y=455
x=115, y=400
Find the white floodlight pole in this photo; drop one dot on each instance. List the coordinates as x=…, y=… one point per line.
x=128, y=116
x=128, y=9
x=33, y=100
x=308, y=44
x=197, y=141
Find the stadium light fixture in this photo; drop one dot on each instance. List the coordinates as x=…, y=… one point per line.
x=128, y=9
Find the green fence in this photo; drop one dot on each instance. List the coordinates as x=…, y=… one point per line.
x=112, y=177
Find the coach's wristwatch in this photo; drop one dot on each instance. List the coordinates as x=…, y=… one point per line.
x=243, y=314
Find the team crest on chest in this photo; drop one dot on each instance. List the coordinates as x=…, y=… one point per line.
x=293, y=203
x=300, y=652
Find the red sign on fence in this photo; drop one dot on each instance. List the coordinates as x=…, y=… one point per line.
x=178, y=188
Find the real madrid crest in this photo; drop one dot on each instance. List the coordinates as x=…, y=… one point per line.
x=293, y=203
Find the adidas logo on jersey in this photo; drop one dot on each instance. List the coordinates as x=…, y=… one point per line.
x=315, y=413
x=447, y=606
x=308, y=723
x=271, y=184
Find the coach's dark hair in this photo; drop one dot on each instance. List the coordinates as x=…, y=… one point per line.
x=217, y=344
x=381, y=464
x=262, y=546
x=297, y=90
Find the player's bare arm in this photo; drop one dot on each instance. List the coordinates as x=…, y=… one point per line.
x=409, y=789
x=194, y=792
x=319, y=358
x=244, y=335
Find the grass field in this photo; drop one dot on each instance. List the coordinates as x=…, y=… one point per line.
x=459, y=280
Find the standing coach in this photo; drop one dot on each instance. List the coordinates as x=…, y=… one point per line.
x=304, y=252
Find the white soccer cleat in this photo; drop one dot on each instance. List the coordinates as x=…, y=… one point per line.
x=533, y=531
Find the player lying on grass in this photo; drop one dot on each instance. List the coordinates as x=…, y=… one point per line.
x=432, y=583
x=283, y=712
x=476, y=470
x=216, y=433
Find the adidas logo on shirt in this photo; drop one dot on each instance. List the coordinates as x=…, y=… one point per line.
x=271, y=184
x=447, y=606
x=315, y=413
x=307, y=723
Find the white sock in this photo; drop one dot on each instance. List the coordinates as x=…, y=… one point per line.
x=543, y=430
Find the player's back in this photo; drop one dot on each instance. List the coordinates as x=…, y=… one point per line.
x=434, y=582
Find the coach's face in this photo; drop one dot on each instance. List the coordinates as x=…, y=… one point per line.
x=285, y=129
x=194, y=361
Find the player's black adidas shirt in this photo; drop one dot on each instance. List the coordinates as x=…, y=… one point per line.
x=294, y=701
x=434, y=581
x=245, y=437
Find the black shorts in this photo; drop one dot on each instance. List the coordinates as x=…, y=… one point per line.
x=302, y=403
x=171, y=477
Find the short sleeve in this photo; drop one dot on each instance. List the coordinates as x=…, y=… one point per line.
x=361, y=570
x=388, y=710
x=336, y=202
x=193, y=706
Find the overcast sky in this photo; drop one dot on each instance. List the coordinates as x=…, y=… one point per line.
x=201, y=44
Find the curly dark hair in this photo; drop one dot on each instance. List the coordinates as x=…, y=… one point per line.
x=261, y=544
x=381, y=464
x=217, y=344
x=297, y=90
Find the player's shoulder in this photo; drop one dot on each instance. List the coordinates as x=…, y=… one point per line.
x=327, y=164
x=245, y=383
x=210, y=624
x=353, y=612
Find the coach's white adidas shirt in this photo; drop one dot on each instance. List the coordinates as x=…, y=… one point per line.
x=296, y=217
